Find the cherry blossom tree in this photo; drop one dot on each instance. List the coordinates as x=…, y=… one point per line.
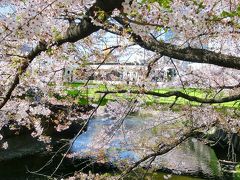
x=39, y=39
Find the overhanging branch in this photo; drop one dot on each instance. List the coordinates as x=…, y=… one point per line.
x=177, y=94
x=165, y=148
x=189, y=54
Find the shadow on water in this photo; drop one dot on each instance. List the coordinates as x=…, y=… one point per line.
x=17, y=168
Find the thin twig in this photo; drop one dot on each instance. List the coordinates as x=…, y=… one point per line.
x=151, y=63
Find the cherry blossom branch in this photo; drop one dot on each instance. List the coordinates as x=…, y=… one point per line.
x=184, y=54
x=86, y=28
x=188, y=54
x=177, y=94
x=74, y=33
x=19, y=27
x=42, y=46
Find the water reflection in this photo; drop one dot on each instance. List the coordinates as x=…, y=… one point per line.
x=131, y=141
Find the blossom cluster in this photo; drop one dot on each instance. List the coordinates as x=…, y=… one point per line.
x=193, y=23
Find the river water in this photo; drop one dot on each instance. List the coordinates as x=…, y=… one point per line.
x=119, y=142
x=123, y=142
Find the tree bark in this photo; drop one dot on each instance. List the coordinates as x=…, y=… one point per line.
x=177, y=94
x=189, y=54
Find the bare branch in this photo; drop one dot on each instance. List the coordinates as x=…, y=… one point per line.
x=104, y=60
x=163, y=149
